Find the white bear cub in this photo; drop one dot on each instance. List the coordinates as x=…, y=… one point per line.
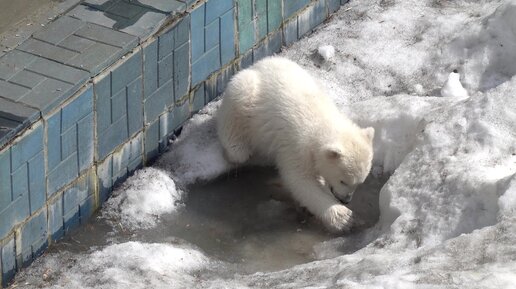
x=276, y=110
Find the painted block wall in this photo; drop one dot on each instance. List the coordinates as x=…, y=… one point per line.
x=98, y=93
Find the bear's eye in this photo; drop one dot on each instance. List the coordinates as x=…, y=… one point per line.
x=343, y=183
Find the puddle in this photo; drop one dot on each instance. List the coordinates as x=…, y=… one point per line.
x=245, y=218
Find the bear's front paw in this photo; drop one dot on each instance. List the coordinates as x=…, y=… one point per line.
x=338, y=218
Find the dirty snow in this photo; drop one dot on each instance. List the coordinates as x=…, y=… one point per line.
x=326, y=52
x=448, y=209
x=142, y=199
x=196, y=155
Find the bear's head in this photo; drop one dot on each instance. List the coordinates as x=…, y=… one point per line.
x=346, y=162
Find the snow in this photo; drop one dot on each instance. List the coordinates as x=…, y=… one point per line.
x=326, y=52
x=130, y=264
x=447, y=211
x=142, y=199
x=196, y=155
x=453, y=88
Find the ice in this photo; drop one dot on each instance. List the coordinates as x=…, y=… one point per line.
x=142, y=199
x=326, y=52
x=447, y=213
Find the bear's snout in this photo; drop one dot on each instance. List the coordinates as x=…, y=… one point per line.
x=345, y=200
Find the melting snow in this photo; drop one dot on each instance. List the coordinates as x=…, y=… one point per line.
x=453, y=88
x=142, y=199
x=326, y=52
x=448, y=210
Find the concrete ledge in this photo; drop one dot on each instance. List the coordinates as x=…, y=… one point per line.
x=97, y=93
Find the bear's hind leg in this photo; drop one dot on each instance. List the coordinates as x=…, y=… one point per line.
x=236, y=153
x=232, y=138
x=232, y=129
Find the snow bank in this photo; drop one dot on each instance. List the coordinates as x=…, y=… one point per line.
x=126, y=265
x=142, y=199
x=450, y=183
x=397, y=121
x=485, y=48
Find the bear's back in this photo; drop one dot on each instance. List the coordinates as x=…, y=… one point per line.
x=287, y=105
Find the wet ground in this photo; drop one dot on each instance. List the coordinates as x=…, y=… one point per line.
x=244, y=218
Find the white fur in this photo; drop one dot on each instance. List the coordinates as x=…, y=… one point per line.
x=276, y=110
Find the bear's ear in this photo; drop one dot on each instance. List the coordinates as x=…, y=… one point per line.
x=369, y=133
x=333, y=153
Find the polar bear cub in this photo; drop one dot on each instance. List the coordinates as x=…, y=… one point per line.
x=276, y=110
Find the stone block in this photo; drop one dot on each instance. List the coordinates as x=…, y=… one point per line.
x=98, y=46
x=139, y=18
x=14, y=117
x=166, y=70
x=158, y=102
x=70, y=141
x=207, y=57
x=246, y=37
x=227, y=37
x=33, y=238
x=274, y=15
x=119, y=99
x=261, y=19
x=21, y=164
x=223, y=78
x=212, y=34
x=333, y=5
x=197, y=32
x=290, y=34
x=215, y=8
x=246, y=60
x=79, y=195
x=180, y=113
x=246, y=32
x=205, y=65
x=182, y=70
x=37, y=82
x=8, y=260
x=152, y=140
x=14, y=213
x=117, y=166
x=198, y=101
x=268, y=47
x=291, y=7
x=55, y=219
x=311, y=17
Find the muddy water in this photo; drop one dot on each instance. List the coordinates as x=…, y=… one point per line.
x=245, y=218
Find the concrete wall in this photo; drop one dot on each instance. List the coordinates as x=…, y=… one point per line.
x=96, y=94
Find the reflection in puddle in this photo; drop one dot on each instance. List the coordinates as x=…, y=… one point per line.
x=245, y=218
